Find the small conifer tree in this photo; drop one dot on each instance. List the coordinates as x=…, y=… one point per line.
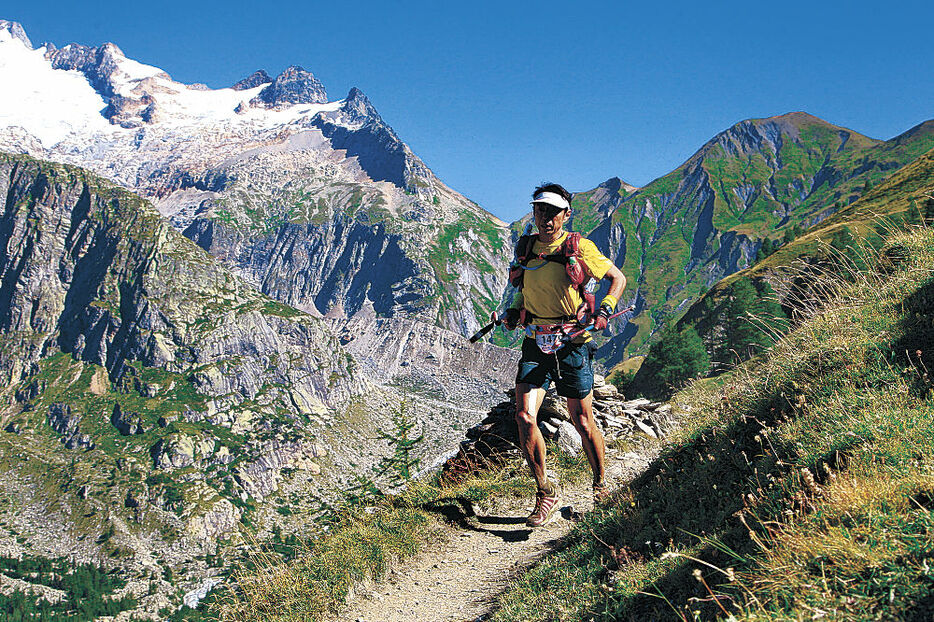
x=929, y=210
x=402, y=465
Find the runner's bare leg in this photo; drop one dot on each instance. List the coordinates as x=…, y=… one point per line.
x=528, y=401
x=581, y=411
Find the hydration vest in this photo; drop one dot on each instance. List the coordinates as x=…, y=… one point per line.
x=569, y=255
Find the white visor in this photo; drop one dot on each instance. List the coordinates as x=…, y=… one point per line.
x=551, y=198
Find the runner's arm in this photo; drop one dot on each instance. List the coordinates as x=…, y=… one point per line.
x=617, y=282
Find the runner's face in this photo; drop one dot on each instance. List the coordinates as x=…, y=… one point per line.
x=549, y=219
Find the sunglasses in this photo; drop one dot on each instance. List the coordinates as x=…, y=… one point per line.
x=548, y=211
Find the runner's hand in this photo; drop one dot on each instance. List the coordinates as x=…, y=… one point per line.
x=602, y=318
x=510, y=318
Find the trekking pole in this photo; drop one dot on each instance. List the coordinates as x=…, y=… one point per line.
x=586, y=328
x=497, y=320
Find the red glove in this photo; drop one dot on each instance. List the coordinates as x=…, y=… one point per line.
x=602, y=318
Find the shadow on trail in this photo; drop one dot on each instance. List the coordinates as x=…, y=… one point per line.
x=501, y=520
x=460, y=511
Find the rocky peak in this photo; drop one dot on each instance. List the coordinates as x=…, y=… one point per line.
x=253, y=80
x=358, y=108
x=292, y=86
x=16, y=31
x=101, y=65
x=768, y=134
x=615, y=185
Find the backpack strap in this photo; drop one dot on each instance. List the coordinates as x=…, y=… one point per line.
x=523, y=254
x=579, y=274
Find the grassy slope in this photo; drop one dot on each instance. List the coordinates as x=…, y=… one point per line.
x=883, y=207
x=660, y=219
x=802, y=482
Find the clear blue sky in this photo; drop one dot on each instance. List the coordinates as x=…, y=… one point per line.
x=498, y=99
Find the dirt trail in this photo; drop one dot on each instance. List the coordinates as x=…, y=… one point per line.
x=459, y=576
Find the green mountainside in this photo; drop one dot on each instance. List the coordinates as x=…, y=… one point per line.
x=153, y=404
x=906, y=198
x=761, y=178
x=801, y=483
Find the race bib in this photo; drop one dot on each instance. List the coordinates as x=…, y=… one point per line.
x=549, y=339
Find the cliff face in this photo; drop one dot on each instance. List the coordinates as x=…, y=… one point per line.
x=138, y=368
x=90, y=270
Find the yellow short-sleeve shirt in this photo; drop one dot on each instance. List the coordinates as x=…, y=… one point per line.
x=547, y=292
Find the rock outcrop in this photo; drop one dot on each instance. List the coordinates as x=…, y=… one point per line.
x=292, y=86
x=497, y=435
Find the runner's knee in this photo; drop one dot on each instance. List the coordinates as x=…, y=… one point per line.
x=524, y=418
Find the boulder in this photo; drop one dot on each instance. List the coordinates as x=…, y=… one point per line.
x=548, y=429
x=127, y=423
x=554, y=407
x=568, y=440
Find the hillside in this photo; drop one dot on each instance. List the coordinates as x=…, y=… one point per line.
x=906, y=198
x=801, y=485
x=761, y=178
x=155, y=407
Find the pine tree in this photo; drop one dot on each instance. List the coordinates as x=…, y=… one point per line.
x=675, y=358
x=766, y=249
x=929, y=210
x=751, y=319
x=402, y=465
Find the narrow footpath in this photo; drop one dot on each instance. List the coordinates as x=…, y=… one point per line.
x=459, y=576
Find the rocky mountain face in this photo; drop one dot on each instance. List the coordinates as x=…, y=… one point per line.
x=707, y=219
x=316, y=203
x=154, y=402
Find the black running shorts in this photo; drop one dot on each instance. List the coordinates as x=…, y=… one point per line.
x=570, y=368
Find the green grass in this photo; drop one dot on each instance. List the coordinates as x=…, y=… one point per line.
x=802, y=482
x=365, y=539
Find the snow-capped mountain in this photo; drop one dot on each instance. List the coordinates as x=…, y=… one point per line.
x=315, y=202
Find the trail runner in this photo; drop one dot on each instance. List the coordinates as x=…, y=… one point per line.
x=547, y=299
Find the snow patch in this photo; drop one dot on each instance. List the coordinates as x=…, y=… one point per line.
x=55, y=104
x=48, y=103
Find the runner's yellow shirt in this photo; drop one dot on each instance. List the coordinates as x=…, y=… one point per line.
x=547, y=292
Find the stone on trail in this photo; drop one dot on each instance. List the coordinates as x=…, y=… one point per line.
x=646, y=429
x=548, y=428
x=569, y=441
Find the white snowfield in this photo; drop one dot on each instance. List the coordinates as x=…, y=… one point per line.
x=54, y=105
x=47, y=103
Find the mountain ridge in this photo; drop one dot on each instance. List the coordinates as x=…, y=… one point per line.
x=708, y=218
x=254, y=173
